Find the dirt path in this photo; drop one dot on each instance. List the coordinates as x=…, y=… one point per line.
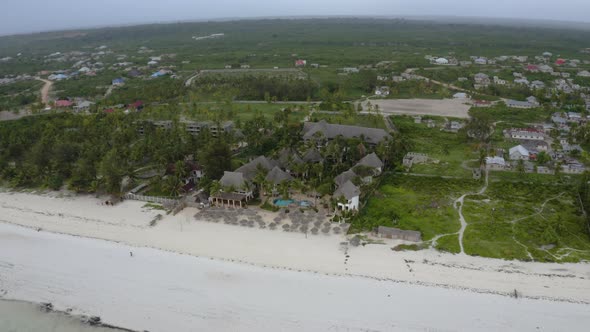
x=45, y=90
x=459, y=206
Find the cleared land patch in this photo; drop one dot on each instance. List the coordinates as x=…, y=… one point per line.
x=437, y=107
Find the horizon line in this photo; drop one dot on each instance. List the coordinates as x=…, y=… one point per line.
x=487, y=20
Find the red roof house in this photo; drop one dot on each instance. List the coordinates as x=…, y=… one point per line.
x=532, y=68
x=300, y=63
x=137, y=105
x=63, y=103
x=109, y=110
x=560, y=62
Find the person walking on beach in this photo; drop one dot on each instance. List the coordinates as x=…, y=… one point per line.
x=131, y=254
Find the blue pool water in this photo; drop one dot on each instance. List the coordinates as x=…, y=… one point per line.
x=287, y=202
x=283, y=202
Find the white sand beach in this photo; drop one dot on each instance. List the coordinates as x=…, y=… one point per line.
x=161, y=291
x=97, y=277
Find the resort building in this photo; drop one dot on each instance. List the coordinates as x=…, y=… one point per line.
x=327, y=131
x=351, y=194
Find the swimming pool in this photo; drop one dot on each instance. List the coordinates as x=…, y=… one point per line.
x=288, y=202
x=283, y=202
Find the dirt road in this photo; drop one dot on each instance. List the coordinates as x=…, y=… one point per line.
x=45, y=90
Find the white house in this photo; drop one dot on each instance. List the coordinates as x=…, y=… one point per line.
x=519, y=152
x=382, y=91
x=460, y=95
x=441, y=61
x=351, y=194
x=497, y=163
x=584, y=73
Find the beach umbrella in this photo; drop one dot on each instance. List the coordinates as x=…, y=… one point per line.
x=325, y=230
x=286, y=227
x=336, y=230
x=314, y=230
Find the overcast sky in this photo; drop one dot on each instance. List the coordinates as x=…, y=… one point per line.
x=18, y=16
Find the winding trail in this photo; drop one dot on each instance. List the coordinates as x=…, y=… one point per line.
x=45, y=90
x=458, y=204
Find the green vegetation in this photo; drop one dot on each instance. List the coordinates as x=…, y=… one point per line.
x=450, y=149
x=540, y=221
x=423, y=204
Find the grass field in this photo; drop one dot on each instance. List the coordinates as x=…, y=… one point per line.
x=424, y=204
x=526, y=221
x=450, y=149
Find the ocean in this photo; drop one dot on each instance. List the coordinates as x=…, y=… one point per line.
x=17, y=316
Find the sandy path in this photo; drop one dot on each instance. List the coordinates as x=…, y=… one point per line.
x=459, y=206
x=45, y=90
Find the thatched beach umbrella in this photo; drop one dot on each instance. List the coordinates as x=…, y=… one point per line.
x=314, y=230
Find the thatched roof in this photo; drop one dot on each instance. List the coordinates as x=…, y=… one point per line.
x=278, y=176
x=371, y=160
x=348, y=190
x=312, y=156
x=250, y=169
x=331, y=131
x=233, y=179
x=289, y=157
x=344, y=177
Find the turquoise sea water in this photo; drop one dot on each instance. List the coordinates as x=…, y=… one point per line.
x=16, y=316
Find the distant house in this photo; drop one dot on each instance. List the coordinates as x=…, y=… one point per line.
x=519, y=152
x=350, y=70
x=482, y=103
x=351, y=194
x=532, y=68
x=537, y=85
x=460, y=95
x=495, y=163
x=152, y=63
x=83, y=105
x=545, y=69
x=481, y=80
x=441, y=61
x=118, y=81
x=584, y=73
x=63, y=103
x=134, y=73
x=245, y=66
x=412, y=158
x=480, y=61
x=531, y=102
x=453, y=126
x=525, y=133
x=300, y=63
x=382, y=91
x=398, y=234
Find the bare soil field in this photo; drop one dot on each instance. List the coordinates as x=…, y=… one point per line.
x=457, y=108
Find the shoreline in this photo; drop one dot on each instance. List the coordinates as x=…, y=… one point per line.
x=146, y=292
x=328, y=274
x=47, y=309
x=278, y=250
